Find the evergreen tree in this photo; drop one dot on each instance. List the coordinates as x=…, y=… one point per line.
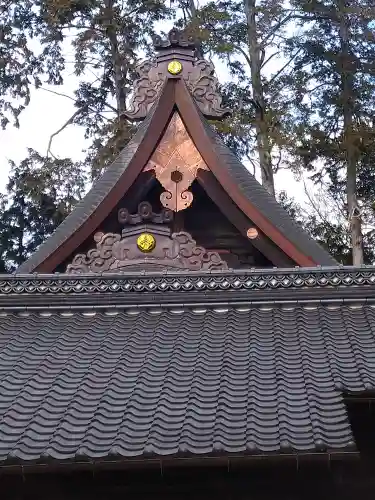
x=334, y=99
x=40, y=194
x=248, y=36
x=106, y=38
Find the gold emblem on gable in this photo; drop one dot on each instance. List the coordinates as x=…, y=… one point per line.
x=174, y=67
x=146, y=242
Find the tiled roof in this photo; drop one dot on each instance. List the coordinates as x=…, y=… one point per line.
x=90, y=202
x=170, y=382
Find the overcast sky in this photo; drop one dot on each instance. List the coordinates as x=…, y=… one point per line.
x=47, y=112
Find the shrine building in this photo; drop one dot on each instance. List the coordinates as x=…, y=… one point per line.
x=179, y=336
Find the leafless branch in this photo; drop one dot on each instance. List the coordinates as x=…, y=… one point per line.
x=277, y=166
x=269, y=58
x=74, y=100
x=66, y=124
x=275, y=28
x=284, y=67
x=54, y=92
x=253, y=164
x=312, y=202
x=243, y=52
x=262, y=54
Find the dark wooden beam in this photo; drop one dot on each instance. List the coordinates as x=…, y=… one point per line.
x=139, y=190
x=217, y=194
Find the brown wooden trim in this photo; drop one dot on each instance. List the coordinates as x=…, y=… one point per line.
x=155, y=130
x=195, y=127
x=218, y=195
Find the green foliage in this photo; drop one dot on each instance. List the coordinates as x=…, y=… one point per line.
x=105, y=37
x=332, y=95
x=40, y=194
x=285, y=64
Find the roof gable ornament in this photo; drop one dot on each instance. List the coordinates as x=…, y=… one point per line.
x=176, y=162
x=146, y=243
x=176, y=59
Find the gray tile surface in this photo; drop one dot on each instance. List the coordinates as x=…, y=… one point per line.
x=181, y=382
x=90, y=202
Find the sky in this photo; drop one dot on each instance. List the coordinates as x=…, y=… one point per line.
x=47, y=112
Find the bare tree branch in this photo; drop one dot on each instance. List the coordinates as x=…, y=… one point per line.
x=284, y=67
x=275, y=28
x=74, y=100
x=269, y=58
x=243, y=52
x=312, y=202
x=66, y=124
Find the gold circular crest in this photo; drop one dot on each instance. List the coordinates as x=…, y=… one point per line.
x=146, y=242
x=174, y=67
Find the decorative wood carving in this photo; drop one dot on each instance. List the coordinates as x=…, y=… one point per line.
x=197, y=74
x=175, y=38
x=144, y=214
x=176, y=161
x=146, y=89
x=114, y=252
x=203, y=85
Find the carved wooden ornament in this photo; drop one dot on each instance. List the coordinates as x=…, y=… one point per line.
x=176, y=161
x=198, y=75
x=114, y=252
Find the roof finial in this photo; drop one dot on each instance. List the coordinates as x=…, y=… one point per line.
x=176, y=38
x=176, y=58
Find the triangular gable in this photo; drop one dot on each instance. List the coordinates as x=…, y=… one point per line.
x=252, y=200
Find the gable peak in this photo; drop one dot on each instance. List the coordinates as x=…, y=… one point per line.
x=176, y=59
x=175, y=38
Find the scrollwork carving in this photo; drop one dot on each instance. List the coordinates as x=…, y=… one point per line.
x=176, y=161
x=146, y=90
x=144, y=214
x=175, y=38
x=178, y=251
x=203, y=85
x=197, y=74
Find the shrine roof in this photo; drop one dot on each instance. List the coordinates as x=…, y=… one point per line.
x=97, y=367
x=112, y=185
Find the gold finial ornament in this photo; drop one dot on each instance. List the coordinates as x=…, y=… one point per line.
x=146, y=242
x=174, y=67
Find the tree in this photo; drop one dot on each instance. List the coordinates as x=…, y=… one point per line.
x=40, y=194
x=334, y=101
x=106, y=38
x=248, y=36
x=322, y=219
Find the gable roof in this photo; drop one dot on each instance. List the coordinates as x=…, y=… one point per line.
x=243, y=188
x=122, y=376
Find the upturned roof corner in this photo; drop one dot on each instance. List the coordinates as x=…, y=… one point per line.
x=176, y=59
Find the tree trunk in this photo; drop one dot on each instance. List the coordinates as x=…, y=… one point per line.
x=115, y=57
x=261, y=126
x=347, y=86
